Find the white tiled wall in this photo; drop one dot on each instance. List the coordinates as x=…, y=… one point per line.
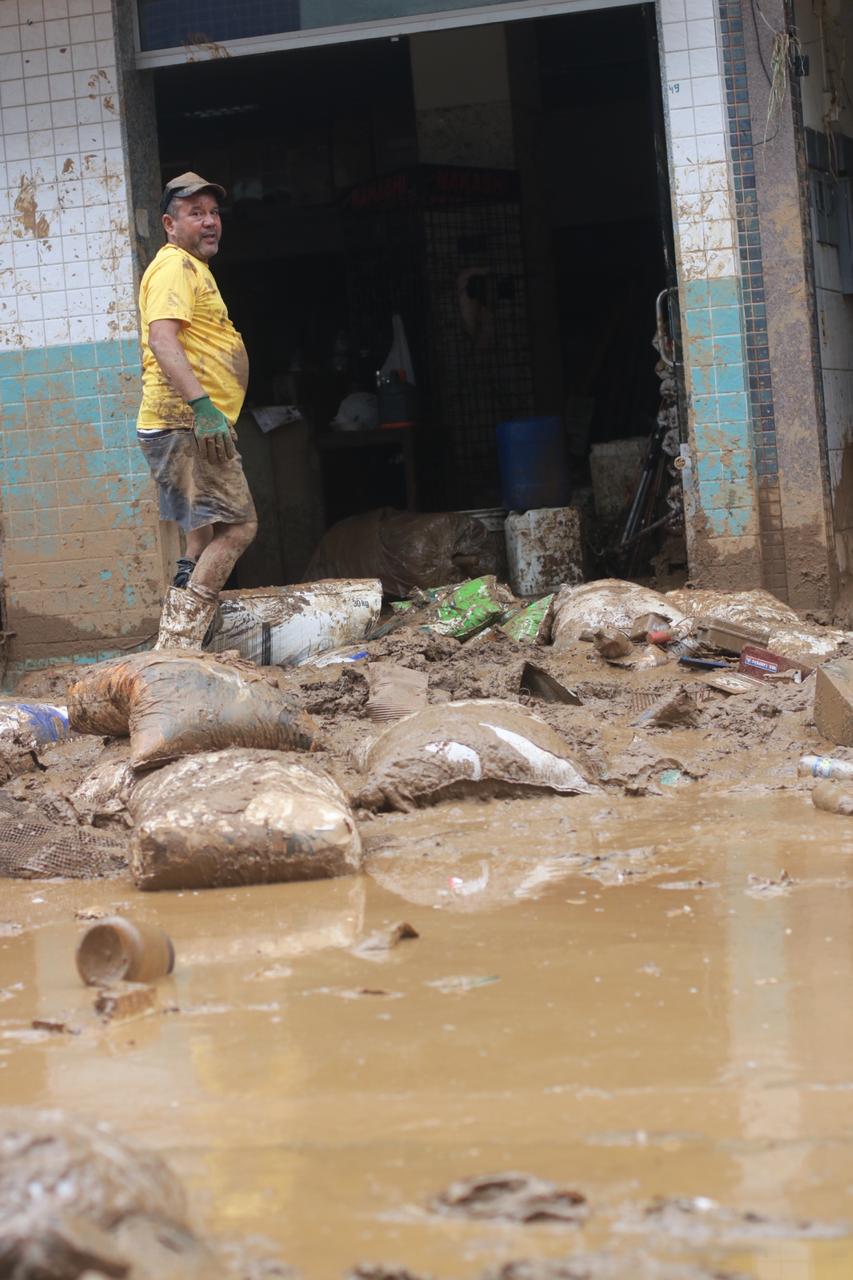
x=695, y=100
x=65, y=263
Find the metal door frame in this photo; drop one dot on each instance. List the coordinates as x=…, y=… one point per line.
x=391, y=29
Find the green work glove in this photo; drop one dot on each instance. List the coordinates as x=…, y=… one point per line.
x=212, y=432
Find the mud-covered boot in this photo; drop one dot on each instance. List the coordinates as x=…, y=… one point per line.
x=186, y=615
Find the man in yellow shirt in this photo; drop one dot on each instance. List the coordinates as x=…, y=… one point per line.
x=194, y=376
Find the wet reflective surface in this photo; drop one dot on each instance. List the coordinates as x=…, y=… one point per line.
x=634, y=998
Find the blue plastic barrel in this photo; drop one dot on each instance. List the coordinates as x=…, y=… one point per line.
x=532, y=462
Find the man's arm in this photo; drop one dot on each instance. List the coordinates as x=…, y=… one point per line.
x=167, y=350
x=210, y=426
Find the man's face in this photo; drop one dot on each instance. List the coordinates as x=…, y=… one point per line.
x=194, y=224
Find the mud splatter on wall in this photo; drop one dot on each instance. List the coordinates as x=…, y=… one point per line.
x=79, y=530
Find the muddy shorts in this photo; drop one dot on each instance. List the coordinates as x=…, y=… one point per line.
x=194, y=492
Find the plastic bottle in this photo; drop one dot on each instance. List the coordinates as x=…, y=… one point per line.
x=824, y=767
x=121, y=950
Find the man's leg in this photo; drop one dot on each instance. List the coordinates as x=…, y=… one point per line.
x=197, y=540
x=223, y=550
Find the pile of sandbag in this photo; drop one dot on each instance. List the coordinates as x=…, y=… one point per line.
x=472, y=748
x=608, y=603
x=286, y=626
x=405, y=549
x=76, y=1200
x=239, y=817
x=174, y=703
x=211, y=795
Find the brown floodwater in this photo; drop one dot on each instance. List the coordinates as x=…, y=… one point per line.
x=634, y=998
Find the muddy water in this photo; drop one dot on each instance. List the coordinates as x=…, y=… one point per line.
x=627, y=997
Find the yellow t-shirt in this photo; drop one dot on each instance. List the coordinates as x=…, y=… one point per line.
x=177, y=286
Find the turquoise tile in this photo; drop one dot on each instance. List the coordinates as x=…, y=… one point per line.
x=58, y=359
x=85, y=382
x=35, y=360
x=108, y=462
x=108, y=353
x=725, y=320
x=12, y=389
x=709, y=466
x=60, y=386
x=697, y=323
x=701, y=352
x=734, y=408
x=110, y=381
x=118, y=433
x=11, y=363
x=87, y=409
x=715, y=436
x=14, y=417
x=84, y=355
x=16, y=471
x=730, y=378
x=695, y=293
x=36, y=386
x=730, y=524
x=702, y=381
x=705, y=409
x=724, y=292
x=16, y=444
x=728, y=350
x=725, y=495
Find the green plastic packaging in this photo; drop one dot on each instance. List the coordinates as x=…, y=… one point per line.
x=468, y=608
x=526, y=625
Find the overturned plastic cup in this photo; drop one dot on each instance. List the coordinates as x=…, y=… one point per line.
x=122, y=950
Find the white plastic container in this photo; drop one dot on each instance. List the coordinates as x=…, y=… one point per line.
x=544, y=550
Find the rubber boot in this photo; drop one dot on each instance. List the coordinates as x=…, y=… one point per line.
x=186, y=615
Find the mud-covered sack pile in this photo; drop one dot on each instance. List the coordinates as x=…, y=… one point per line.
x=178, y=703
x=482, y=747
x=239, y=817
x=76, y=1200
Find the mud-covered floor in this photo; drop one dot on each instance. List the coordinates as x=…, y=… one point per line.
x=634, y=997
x=639, y=994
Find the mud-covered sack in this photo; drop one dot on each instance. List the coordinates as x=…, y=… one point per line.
x=75, y=1198
x=285, y=626
x=174, y=703
x=786, y=632
x=240, y=817
x=405, y=549
x=527, y=626
x=467, y=748
x=609, y=602
x=101, y=796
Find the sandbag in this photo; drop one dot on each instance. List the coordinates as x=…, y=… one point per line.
x=75, y=1198
x=405, y=549
x=787, y=634
x=467, y=748
x=102, y=794
x=174, y=703
x=240, y=817
x=285, y=626
x=608, y=602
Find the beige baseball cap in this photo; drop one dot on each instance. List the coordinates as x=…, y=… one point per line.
x=187, y=184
